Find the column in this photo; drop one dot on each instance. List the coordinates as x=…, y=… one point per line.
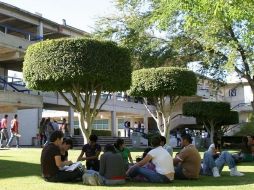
x=113, y=124
x=40, y=30
x=71, y=120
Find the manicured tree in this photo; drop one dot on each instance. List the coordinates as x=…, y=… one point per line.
x=226, y=119
x=220, y=27
x=163, y=86
x=79, y=68
x=213, y=115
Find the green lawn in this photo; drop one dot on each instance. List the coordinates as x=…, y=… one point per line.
x=20, y=169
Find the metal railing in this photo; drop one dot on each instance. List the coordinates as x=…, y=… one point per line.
x=241, y=105
x=26, y=35
x=14, y=84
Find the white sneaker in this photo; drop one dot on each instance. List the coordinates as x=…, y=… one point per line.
x=216, y=172
x=234, y=172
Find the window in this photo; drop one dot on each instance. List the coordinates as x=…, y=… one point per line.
x=232, y=92
x=120, y=123
x=101, y=124
x=76, y=124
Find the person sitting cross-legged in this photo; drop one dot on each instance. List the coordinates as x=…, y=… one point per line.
x=92, y=151
x=213, y=163
x=164, y=169
x=112, y=166
x=51, y=163
x=188, y=161
x=112, y=169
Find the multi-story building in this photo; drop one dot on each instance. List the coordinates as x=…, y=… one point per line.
x=19, y=29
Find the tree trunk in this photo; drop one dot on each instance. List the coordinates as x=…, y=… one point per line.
x=251, y=83
x=162, y=121
x=212, y=133
x=85, y=127
x=167, y=133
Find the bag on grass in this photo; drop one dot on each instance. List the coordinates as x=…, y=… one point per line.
x=91, y=178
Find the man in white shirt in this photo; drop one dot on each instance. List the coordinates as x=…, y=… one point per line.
x=164, y=169
x=135, y=126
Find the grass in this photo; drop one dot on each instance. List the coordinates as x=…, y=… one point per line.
x=20, y=170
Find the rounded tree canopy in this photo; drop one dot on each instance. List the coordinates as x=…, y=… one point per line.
x=205, y=110
x=54, y=65
x=226, y=118
x=163, y=81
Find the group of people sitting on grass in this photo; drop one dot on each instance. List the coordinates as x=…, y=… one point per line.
x=116, y=165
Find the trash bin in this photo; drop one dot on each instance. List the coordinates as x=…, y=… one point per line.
x=135, y=139
x=34, y=141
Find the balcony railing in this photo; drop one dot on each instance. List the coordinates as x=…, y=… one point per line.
x=20, y=33
x=14, y=84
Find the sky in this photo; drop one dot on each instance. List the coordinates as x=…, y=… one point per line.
x=80, y=14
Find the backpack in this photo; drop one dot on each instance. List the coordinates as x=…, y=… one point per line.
x=91, y=177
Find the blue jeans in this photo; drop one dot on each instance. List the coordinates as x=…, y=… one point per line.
x=209, y=163
x=150, y=175
x=11, y=139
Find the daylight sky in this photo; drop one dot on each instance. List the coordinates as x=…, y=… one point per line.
x=77, y=13
x=80, y=14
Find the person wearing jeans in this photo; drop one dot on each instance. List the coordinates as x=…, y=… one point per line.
x=164, y=169
x=214, y=167
x=4, y=132
x=14, y=131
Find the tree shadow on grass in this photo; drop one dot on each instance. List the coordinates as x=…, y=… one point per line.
x=10, y=169
x=224, y=180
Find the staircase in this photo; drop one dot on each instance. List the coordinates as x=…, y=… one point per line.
x=78, y=140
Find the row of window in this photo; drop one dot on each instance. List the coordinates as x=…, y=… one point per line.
x=102, y=124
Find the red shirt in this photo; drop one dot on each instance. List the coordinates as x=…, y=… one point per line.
x=14, y=126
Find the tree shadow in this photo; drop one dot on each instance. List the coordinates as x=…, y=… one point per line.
x=18, y=169
x=224, y=180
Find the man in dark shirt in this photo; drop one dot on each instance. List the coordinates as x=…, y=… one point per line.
x=92, y=151
x=51, y=162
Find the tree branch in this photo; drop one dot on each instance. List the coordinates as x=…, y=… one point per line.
x=242, y=53
x=106, y=99
x=96, y=101
x=67, y=100
x=148, y=109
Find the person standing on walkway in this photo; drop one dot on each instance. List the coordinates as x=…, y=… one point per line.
x=14, y=131
x=42, y=128
x=4, y=132
x=65, y=129
x=49, y=130
x=142, y=127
